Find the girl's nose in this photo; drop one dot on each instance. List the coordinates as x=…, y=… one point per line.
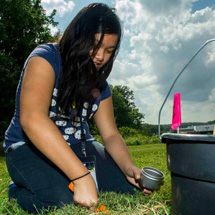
x=100, y=55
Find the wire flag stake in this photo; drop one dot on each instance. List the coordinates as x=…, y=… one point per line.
x=208, y=41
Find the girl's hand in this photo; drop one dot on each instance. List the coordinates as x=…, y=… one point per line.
x=133, y=175
x=85, y=192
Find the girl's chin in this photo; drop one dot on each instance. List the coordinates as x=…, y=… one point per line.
x=98, y=67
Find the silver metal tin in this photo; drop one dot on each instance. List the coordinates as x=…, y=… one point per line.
x=151, y=178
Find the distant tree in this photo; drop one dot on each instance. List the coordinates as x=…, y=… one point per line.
x=210, y=122
x=125, y=111
x=148, y=129
x=23, y=25
x=57, y=36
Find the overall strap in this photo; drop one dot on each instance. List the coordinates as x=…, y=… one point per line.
x=83, y=138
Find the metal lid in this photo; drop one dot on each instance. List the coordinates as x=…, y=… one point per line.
x=153, y=173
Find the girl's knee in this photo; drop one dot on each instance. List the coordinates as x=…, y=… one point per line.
x=43, y=198
x=56, y=196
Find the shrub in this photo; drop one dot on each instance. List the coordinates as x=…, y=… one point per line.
x=133, y=138
x=128, y=132
x=140, y=139
x=131, y=141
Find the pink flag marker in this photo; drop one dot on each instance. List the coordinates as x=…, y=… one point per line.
x=176, y=116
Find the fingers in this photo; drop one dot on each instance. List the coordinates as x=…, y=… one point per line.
x=90, y=205
x=146, y=191
x=135, y=180
x=137, y=175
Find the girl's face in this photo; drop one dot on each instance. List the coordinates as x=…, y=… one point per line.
x=106, y=49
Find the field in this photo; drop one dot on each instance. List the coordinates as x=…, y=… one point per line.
x=158, y=203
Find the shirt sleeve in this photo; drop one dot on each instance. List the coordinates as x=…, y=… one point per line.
x=106, y=91
x=49, y=53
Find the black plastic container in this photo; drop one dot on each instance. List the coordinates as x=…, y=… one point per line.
x=191, y=160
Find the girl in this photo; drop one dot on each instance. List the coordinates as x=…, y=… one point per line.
x=48, y=143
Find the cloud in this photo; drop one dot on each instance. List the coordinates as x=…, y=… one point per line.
x=212, y=95
x=209, y=57
x=125, y=69
x=54, y=30
x=163, y=36
x=165, y=6
x=61, y=6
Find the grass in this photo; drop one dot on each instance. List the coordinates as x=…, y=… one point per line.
x=158, y=203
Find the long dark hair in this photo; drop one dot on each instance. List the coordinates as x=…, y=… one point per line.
x=79, y=75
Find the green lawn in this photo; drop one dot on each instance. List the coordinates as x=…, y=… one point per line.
x=157, y=203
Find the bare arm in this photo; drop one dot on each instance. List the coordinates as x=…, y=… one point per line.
x=36, y=93
x=114, y=143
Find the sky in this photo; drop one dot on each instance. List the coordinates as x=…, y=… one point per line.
x=160, y=37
